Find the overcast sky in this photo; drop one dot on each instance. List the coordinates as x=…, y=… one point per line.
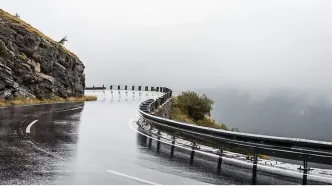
x=261, y=44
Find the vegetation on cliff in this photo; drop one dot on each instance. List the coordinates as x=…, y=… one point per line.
x=190, y=107
x=16, y=20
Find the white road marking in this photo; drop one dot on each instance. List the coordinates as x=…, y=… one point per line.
x=132, y=177
x=29, y=126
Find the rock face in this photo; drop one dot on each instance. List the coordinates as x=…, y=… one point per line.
x=35, y=66
x=164, y=110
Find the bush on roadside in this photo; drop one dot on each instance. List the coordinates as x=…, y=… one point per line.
x=194, y=105
x=190, y=107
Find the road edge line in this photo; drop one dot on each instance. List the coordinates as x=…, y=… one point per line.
x=132, y=177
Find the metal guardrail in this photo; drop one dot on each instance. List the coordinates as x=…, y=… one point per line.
x=95, y=88
x=126, y=87
x=289, y=148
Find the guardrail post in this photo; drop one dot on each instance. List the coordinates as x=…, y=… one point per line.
x=118, y=87
x=152, y=88
x=172, y=148
x=139, y=88
x=305, y=173
x=133, y=88
x=157, y=89
x=192, y=153
x=146, y=88
x=150, y=141
x=254, y=169
x=125, y=87
x=220, y=159
x=158, y=101
x=158, y=142
x=156, y=105
x=111, y=87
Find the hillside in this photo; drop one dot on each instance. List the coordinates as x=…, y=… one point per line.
x=32, y=65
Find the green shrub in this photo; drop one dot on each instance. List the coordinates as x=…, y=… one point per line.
x=178, y=115
x=190, y=107
x=194, y=105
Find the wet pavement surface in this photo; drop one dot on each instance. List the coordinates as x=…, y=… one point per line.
x=95, y=143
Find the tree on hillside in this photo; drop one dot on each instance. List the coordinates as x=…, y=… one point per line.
x=195, y=105
x=63, y=40
x=235, y=130
x=16, y=15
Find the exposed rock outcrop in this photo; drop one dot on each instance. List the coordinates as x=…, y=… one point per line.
x=33, y=65
x=164, y=110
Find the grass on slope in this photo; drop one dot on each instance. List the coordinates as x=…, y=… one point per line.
x=55, y=99
x=178, y=115
x=18, y=21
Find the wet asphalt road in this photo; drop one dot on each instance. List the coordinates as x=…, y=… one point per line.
x=94, y=143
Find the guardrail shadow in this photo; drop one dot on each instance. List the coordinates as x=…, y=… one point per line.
x=204, y=168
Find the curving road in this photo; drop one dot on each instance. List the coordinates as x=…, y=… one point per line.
x=95, y=143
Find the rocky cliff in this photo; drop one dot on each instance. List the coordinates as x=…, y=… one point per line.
x=35, y=66
x=164, y=110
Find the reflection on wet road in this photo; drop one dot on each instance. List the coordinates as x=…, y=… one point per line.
x=80, y=143
x=92, y=143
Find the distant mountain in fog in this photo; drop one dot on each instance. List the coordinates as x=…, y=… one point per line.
x=281, y=113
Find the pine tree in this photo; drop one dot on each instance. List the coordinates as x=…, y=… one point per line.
x=63, y=40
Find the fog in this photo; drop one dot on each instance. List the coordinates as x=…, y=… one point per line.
x=258, y=44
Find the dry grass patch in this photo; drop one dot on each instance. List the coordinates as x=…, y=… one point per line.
x=54, y=99
x=81, y=99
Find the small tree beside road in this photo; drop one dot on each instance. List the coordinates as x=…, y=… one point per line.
x=195, y=105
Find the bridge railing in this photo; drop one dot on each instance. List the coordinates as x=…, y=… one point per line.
x=289, y=148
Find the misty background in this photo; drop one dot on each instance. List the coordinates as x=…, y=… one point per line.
x=266, y=63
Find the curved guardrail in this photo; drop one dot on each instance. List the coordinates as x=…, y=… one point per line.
x=289, y=148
